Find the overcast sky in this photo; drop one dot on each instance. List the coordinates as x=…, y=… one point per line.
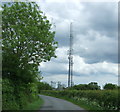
x=95, y=41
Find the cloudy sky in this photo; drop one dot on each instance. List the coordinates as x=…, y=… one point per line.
x=95, y=41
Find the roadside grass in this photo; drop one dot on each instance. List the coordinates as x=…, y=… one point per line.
x=83, y=103
x=90, y=107
x=36, y=105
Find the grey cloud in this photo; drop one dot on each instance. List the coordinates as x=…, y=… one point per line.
x=100, y=17
x=62, y=34
x=53, y=68
x=95, y=37
x=96, y=48
x=101, y=73
x=103, y=17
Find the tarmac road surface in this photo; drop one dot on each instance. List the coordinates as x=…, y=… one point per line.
x=52, y=103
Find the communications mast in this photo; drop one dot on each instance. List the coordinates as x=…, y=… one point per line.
x=70, y=58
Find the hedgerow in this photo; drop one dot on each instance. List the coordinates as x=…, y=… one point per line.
x=106, y=99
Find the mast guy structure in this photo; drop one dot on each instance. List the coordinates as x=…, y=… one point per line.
x=70, y=58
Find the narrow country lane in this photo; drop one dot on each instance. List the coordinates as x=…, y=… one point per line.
x=52, y=103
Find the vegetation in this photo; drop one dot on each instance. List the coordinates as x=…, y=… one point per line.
x=90, y=86
x=27, y=40
x=110, y=86
x=89, y=99
x=36, y=105
x=43, y=86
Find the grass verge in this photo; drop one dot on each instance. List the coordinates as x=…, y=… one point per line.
x=36, y=105
x=90, y=107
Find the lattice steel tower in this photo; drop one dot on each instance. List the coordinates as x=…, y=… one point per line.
x=70, y=58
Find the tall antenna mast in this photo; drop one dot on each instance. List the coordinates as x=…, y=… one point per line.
x=70, y=58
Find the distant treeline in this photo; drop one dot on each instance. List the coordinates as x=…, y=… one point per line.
x=90, y=86
x=94, y=86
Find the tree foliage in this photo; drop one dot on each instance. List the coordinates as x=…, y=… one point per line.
x=90, y=86
x=43, y=86
x=110, y=86
x=27, y=40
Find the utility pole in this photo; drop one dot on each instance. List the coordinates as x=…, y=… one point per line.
x=70, y=58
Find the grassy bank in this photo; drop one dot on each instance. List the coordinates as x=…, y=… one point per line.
x=36, y=105
x=83, y=103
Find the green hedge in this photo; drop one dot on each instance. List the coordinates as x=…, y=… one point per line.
x=16, y=97
x=8, y=97
x=107, y=99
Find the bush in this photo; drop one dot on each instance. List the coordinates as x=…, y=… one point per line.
x=8, y=98
x=43, y=86
x=110, y=86
x=17, y=97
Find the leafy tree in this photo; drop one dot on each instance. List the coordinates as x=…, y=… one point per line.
x=27, y=38
x=80, y=87
x=90, y=86
x=110, y=86
x=43, y=86
x=93, y=86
